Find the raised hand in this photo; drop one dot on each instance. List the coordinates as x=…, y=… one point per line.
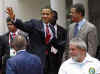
x=10, y=13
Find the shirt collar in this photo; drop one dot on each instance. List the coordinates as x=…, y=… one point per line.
x=15, y=32
x=20, y=51
x=88, y=58
x=55, y=26
x=81, y=23
x=46, y=24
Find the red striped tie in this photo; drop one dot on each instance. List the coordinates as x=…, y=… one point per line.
x=14, y=35
x=48, y=35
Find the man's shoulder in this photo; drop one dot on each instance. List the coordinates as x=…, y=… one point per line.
x=92, y=59
x=72, y=25
x=61, y=28
x=31, y=58
x=23, y=56
x=34, y=56
x=67, y=62
x=90, y=25
x=5, y=34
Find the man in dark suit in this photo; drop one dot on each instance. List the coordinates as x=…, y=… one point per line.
x=5, y=45
x=39, y=35
x=57, y=49
x=23, y=62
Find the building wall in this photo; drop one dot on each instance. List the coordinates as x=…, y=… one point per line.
x=24, y=9
x=2, y=24
x=94, y=14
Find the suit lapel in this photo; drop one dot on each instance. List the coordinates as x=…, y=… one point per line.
x=71, y=31
x=41, y=27
x=7, y=37
x=52, y=29
x=42, y=31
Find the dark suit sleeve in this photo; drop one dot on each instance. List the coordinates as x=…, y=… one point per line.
x=10, y=67
x=27, y=26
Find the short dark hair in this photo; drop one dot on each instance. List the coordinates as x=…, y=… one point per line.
x=46, y=7
x=55, y=14
x=79, y=8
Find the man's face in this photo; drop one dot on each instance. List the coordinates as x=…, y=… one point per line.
x=74, y=52
x=53, y=19
x=11, y=27
x=46, y=15
x=74, y=15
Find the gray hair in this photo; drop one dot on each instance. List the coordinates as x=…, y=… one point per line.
x=79, y=43
x=19, y=42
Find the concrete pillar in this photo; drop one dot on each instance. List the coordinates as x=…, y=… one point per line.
x=2, y=17
x=60, y=7
x=85, y=3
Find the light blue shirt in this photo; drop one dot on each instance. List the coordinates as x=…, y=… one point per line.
x=81, y=23
x=20, y=51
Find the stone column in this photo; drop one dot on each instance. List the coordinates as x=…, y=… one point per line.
x=60, y=7
x=85, y=3
x=2, y=17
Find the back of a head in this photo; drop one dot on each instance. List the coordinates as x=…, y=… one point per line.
x=19, y=42
x=79, y=43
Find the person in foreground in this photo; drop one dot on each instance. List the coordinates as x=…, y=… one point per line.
x=80, y=62
x=23, y=62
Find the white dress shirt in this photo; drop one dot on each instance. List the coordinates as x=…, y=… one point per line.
x=90, y=65
x=49, y=30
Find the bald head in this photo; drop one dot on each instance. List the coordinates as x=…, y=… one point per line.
x=19, y=42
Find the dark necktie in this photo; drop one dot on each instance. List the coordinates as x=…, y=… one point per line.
x=48, y=35
x=76, y=30
x=11, y=37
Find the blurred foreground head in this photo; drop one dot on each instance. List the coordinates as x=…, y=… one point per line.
x=19, y=42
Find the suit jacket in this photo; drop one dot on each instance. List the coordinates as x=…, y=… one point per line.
x=24, y=63
x=35, y=30
x=5, y=48
x=88, y=33
x=5, y=42
x=59, y=43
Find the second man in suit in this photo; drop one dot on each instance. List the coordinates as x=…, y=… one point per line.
x=83, y=29
x=57, y=47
